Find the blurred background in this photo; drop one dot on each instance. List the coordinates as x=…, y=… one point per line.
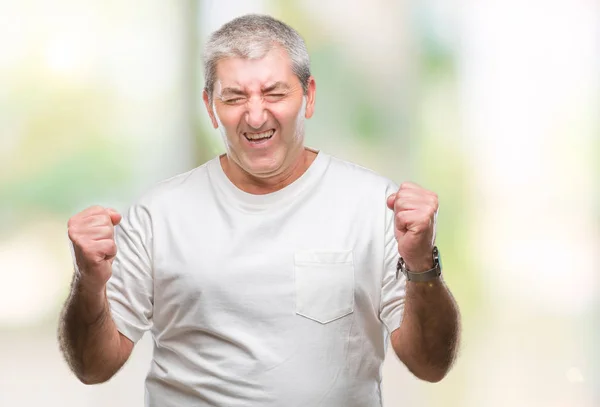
x=492, y=104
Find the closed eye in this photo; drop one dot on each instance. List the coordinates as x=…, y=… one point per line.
x=275, y=96
x=232, y=101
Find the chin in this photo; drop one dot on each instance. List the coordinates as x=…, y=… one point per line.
x=263, y=169
x=262, y=166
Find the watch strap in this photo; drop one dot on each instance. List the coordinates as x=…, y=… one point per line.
x=422, y=276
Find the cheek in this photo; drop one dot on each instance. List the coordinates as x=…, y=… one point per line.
x=286, y=113
x=228, y=117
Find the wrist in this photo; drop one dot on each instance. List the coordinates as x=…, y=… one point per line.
x=420, y=270
x=86, y=283
x=420, y=266
x=89, y=289
x=93, y=304
x=90, y=292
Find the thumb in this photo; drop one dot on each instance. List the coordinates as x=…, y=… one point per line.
x=115, y=216
x=390, y=201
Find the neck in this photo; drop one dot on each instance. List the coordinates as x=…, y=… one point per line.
x=260, y=186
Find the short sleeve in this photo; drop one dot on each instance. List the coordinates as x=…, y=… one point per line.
x=393, y=290
x=130, y=288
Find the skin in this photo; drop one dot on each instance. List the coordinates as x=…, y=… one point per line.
x=427, y=339
x=89, y=340
x=251, y=97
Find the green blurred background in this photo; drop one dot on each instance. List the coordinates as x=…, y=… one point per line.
x=492, y=104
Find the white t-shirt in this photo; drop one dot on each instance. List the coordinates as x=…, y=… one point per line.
x=284, y=299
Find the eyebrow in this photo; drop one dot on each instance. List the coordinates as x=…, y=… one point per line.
x=276, y=85
x=231, y=91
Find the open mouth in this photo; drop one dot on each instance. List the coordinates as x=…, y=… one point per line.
x=259, y=137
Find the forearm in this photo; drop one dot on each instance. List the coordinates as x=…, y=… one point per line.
x=88, y=336
x=427, y=340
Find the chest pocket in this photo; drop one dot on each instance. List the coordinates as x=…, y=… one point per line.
x=324, y=284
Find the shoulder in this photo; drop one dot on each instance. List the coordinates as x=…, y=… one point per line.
x=175, y=189
x=359, y=178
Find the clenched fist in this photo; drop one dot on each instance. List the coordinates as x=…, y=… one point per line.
x=415, y=211
x=92, y=232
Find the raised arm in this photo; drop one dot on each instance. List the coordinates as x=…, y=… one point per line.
x=427, y=339
x=88, y=337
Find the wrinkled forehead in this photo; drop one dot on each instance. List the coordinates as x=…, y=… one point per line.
x=255, y=74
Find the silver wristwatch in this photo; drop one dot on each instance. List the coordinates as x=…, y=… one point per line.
x=423, y=276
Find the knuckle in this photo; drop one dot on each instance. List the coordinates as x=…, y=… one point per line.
x=75, y=233
x=74, y=221
x=94, y=210
x=104, y=220
x=108, y=231
x=73, y=236
x=110, y=250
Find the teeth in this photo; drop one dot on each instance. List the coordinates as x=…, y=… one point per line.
x=258, y=136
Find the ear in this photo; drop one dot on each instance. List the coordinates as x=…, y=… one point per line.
x=209, y=109
x=310, y=97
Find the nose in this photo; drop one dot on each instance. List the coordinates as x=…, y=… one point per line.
x=256, y=115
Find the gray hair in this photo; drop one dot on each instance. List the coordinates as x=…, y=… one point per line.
x=252, y=36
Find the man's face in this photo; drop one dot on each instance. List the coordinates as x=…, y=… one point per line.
x=260, y=108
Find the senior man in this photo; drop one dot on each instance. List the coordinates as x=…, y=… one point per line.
x=272, y=275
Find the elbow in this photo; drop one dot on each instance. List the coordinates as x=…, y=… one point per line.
x=427, y=370
x=432, y=375
x=88, y=376
x=91, y=379
x=434, y=372
x=88, y=381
